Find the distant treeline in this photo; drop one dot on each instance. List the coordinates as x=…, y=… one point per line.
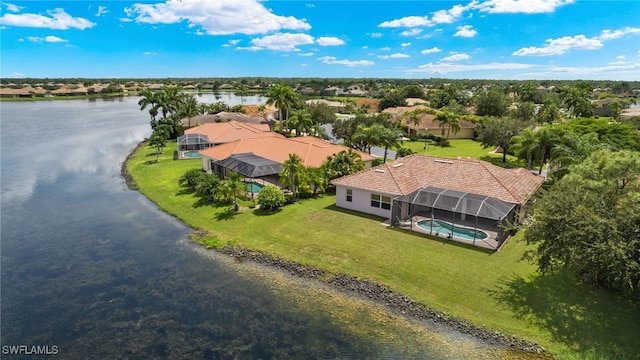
x=321, y=83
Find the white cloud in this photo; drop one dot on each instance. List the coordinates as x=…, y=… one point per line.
x=329, y=41
x=615, y=72
x=330, y=60
x=621, y=57
x=101, y=11
x=306, y=54
x=309, y=5
x=412, y=32
x=58, y=19
x=282, y=41
x=456, y=57
x=521, y=6
x=13, y=7
x=466, y=31
x=50, y=39
x=365, y=47
x=405, y=44
x=230, y=43
x=221, y=17
x=442, y=68
x=437, y=17
x=249, y=48
x=561, y=45
x=386, y=48
x=408, y=21
x=615, y=34
x=376, y=35
x=150, y=53
x=433, y=50
x=394, y=56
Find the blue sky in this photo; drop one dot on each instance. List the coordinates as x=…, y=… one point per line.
x=479, y=39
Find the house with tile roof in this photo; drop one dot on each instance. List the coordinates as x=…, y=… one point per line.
x=459, y=194
x=261, y=156
x=427, y=124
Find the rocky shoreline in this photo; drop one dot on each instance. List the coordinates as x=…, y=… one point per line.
x=399, y=303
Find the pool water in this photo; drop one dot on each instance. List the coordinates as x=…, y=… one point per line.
x=445, y=228
x=191, y=154
x=253, y=187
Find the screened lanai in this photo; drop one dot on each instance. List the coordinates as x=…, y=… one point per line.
x=193, y=142
x=248, y=164
x=456, y=215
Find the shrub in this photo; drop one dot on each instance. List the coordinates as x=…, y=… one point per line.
x=377, y=161
x=271, y=197
x=190, y=178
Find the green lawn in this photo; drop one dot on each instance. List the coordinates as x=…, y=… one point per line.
x=463, y=147
x=493, y=290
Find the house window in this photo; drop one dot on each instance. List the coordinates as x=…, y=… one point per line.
x=349, y=195
x=379, y=201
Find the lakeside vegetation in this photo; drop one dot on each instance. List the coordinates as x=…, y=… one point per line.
x=499, y=290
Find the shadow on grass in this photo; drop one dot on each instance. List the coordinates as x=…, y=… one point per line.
x=227, y=214
x=443, y=241
x=265, y=212
x=585, y=319
x=356, y=213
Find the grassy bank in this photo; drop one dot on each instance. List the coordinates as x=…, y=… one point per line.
x=493, y=290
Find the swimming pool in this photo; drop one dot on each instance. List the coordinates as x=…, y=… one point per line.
x=191, y=154
x=445, y=228
x=253, y=187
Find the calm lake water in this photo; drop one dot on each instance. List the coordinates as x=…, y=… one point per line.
x=98, y=271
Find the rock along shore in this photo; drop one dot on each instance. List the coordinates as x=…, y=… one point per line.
x=397, y=302
x=379, y=293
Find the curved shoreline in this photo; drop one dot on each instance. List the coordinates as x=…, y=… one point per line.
x=396, y=302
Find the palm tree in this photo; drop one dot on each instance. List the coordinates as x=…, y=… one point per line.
x=616, y=108
x=242, y=92
x=525, y=146
x=569, y=150
x=449, y=119
x=292, y=169
x=237, y=186
x=549, y=113
x=189, y=107
x=546, y=139
x=301, y=121
x=283, y=97
x=317, y=178
x=149, y=99
x=342, y=164
x=388, y=139
x=169, y=100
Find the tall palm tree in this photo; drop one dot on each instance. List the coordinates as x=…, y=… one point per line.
x=189, y=107
x=169, y=100
x=242, y=92
x=448, y=119
x=284, y=98
x=389, y=138
x=149, y=99
x=525, y=146
x=292, y=170
x=237, y=185
x=546, y=139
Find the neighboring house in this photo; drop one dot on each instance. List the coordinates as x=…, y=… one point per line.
x=416, y=101
x=472, y=193
x=429, y=125
x=262, y=153
x=399, y=110
x=224, y=132
x=26, y=91
x=337, y=106
x=224, y=117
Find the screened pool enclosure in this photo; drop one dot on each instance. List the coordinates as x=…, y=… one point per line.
x=193, y=142
x=460, y=216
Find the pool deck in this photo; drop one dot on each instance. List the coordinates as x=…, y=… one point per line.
x=488, y=243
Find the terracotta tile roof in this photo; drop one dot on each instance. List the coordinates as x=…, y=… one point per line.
x=224, y=132
x=312, y=151
x=408, y=174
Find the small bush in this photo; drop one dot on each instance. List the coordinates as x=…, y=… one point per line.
x=271, y=197
x=377, y=161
